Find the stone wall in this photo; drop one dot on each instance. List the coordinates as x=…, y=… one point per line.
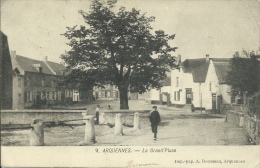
x=27, y=116
x=20, y=117
x=251, y=125
x=234, y=117
x=108, y=117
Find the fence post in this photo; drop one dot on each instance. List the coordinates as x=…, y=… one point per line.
x=136, y=120
x=37, y=133
x=90, y=130
x=118, y=125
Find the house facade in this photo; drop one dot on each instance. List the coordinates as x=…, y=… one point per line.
x=108, y=92
x=217, y=91
x=6, y=74
x=162, y=95
x=35, y=83
x=188, y=82
x=201, y=82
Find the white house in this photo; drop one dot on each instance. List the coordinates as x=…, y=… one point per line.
x=188, y=82
x=201, y=82
x=162, y=95
x=217, y=90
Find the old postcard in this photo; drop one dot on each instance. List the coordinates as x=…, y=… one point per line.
x=130, y=83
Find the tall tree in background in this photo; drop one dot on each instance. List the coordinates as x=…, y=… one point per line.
x=244, y=74
x=121, y=48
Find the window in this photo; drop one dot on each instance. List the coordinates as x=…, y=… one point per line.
x=19, y=82
x=209, y=86
x=20, y=98
x=26, y=82
x=177, y=81
x=66, y=93
x=177, y=95
x=43, y=82
x=59, y=95
x=52, y=83
x=54, y=97
x=47, y=95
x=108, y=94
x=31, y=96
x=27, y=96
x=42, y=96
x=50, y=96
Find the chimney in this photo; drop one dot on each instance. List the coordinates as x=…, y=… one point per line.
x=13, y=54
x=179, y=59
x=207, y=57
x=45, y=58
x=63, y=63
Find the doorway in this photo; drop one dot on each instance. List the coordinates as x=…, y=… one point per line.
x=214, y=101
x=188, y=96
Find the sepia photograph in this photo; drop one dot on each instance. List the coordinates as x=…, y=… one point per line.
x=130, y=83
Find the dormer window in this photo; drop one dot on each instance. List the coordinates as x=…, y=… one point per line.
x=40, y=69
x=26, y=82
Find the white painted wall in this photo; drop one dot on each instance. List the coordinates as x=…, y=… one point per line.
x=154, y=94
x=218, y=89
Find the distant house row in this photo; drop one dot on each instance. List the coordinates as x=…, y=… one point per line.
x=201, y=82
x=27, y=82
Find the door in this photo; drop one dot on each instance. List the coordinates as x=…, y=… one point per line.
x=219, y=102
x=188, y=96
x=214, y=102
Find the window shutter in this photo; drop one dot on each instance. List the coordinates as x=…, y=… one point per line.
x=30, y=96
x=178, y=95
x=174, y=95
x=25, y=96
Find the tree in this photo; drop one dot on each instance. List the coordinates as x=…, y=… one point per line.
x=244, y=74
x=121, y=47
x=78, y=79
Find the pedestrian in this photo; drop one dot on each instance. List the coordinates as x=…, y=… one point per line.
x=155, y=119
x=97, y=114
x=192, y=107
x=109, y=107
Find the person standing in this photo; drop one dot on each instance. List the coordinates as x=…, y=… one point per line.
x=97, y=114
x=155, y=119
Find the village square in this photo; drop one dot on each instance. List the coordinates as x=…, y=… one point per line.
x=107, y=75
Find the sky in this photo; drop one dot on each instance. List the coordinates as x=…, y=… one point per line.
x=218, y=28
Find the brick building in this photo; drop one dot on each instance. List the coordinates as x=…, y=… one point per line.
x=108, y=92
x=35, y=83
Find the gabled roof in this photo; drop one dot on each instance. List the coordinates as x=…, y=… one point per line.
x=197, y=67
x=166, y=82
x=27, y=65
x=222, y=67
x=57, y=68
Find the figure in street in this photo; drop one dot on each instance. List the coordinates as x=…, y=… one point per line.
x=109, y=107
x=155, y=119
x=97, y=114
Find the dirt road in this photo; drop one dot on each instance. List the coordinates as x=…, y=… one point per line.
x=179, y=127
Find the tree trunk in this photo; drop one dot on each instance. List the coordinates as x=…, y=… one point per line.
x=123, y=97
